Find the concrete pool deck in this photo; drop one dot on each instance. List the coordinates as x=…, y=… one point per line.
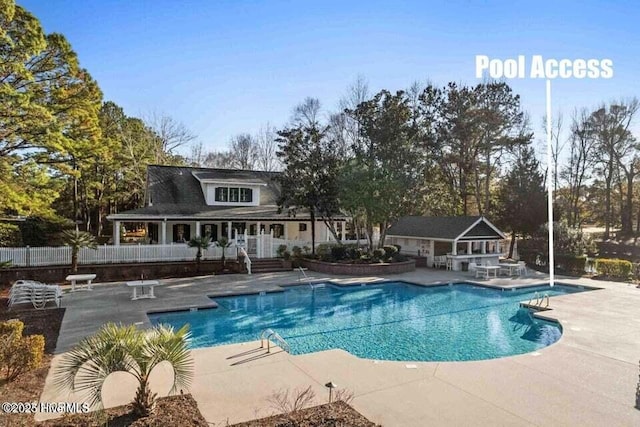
x=588, y=377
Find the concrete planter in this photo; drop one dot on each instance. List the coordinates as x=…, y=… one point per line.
x=359, y=269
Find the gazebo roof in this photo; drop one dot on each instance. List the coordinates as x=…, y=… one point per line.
x=446, y=228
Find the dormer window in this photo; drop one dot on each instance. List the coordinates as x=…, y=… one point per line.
x=234, y=195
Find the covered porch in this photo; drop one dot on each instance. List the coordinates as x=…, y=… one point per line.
x=177, y=230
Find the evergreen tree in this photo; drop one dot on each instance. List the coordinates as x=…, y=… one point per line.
x=522, y=198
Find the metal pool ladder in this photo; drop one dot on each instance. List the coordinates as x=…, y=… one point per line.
x=539, y=300
x=270, y=335
x=304, y=274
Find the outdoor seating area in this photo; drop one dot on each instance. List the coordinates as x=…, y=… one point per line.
x=35, y=293
x=487, y=270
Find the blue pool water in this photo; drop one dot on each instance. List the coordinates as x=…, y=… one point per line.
x=390, y=321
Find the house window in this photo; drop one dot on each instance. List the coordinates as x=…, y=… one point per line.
x=278, y=230
x=302, y=226
x=246, y=195
x=222, y=194
x=234, y=195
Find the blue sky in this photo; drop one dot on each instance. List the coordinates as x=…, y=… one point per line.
x=225, y=67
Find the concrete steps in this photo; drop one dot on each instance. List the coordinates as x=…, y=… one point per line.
x=267, y=265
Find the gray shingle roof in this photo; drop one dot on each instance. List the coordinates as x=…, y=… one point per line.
x=178, y=185
x=175, y=191
x=438, y=227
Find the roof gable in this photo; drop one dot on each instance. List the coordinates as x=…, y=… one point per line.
x=443, y=227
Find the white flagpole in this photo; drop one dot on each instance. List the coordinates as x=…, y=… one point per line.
x=550, y=178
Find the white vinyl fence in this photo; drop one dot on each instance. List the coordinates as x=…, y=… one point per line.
x=61, y=255
x=261, y=246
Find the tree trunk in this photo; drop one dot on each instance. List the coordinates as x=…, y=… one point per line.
x=607, y=202
x=487, y=183
x=383, y=233
x=143, y=401
x=627, y=210
x=74, y=260
x=312, y=212
x=514, y=236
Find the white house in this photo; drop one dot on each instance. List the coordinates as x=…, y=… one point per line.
x=460, y=239
x=185, y=202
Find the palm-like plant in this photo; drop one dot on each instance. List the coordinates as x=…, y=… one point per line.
x=202, y=243
x=78, y=240
x=224, y=243
x=126, y=349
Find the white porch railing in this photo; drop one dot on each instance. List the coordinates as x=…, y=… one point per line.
x=261, y=246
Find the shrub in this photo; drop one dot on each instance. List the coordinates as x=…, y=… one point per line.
x=398, y=257
x=10, y=235
x=324, y=249
x=398, y=247
x=353, y=252
x=571, y=264
x=338, y=252
x=286, y=255
x=296, y=251
x=613, y=268
x=281, y=250
x=378, y=253
x=18, y=354
x=389, y=250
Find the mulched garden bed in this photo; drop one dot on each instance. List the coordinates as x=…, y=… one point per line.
x=28, y=386
x=336, y=414
x=178, y=411
x=44, y=322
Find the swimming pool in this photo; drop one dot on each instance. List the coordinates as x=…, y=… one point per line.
x=389, y=321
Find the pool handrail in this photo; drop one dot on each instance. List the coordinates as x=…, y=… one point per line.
x=271, y=335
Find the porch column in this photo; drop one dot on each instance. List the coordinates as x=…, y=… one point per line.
x=454, y=248
x=497, y=246
x=286, y=230
x=483, y=248
x=469, y=247
x=197, y=228
x=163, y=233
x=258, y=225
x=116, y=233
x=343, y=226
x=229, y=230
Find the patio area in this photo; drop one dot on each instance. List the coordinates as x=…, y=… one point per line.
x=589, y=377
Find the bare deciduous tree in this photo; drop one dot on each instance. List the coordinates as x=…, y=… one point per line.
x=242, y=152
x=170, y=133
x=266, y=149
x=579, y=165
x=307, y=113
x=610, y=125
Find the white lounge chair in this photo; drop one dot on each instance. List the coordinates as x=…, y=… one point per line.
x=35, y=293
